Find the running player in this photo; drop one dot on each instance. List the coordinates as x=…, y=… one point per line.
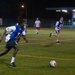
x=58, y=27
x=11, y=40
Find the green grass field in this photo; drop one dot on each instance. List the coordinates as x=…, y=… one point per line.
x=33, y=57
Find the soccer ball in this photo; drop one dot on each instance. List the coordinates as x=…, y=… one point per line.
x=52, y=63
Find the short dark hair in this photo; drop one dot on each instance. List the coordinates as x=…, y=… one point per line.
x=20, y=21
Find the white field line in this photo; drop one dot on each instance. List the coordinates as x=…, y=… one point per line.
x=43, y=57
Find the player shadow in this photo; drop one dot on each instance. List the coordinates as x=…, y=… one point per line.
x=50, y=44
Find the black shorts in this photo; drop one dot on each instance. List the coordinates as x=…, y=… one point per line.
x=11, y=43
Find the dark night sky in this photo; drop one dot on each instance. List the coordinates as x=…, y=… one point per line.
x=11, y=8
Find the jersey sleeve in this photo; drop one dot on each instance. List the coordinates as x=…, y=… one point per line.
x=35, y=22
x=57, y=23
x=11, y=29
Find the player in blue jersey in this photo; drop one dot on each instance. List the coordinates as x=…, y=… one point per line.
x=25, y=28
x=11, y=39
x=58, y=27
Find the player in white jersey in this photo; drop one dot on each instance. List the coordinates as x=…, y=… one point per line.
x=37, y=25
x=58, y=27
x=11, y=40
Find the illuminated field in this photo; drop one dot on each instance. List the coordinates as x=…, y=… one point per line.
x=33, y=57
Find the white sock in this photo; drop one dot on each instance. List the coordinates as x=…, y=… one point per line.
x=57, y=40
x=12, y=60
x=52, y=34
x=36, y=31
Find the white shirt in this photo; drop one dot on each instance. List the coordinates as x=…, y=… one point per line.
x=37, y=23
x=58, y=25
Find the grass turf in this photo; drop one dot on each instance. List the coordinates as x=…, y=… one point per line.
x=33, y=57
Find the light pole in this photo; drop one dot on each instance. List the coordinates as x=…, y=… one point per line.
x=24, y=7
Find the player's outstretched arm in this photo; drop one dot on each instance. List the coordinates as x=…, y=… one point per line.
x=24, y=37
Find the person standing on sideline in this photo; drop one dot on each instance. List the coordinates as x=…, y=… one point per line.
x=11, y=38
x=37, y=25
x=58, y=27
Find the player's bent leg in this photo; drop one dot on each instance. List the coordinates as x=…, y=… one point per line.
x=4, y=52
x=16, y=49
x=58, y=35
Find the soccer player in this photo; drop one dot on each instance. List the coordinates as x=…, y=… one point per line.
x=37, y=25
x=25, y=25
x=11, y=40
x=58, y=27
x=25, y=28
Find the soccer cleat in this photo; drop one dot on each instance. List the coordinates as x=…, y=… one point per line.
x=57, y=42
x=37, y=32
x=26, y=41
x=50, y=35
x=12, y=64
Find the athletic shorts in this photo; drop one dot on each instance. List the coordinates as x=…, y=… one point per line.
x=57, y=31
x=38, y=28
x=11, y=43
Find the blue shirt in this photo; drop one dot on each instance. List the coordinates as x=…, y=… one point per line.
x=16, y=31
